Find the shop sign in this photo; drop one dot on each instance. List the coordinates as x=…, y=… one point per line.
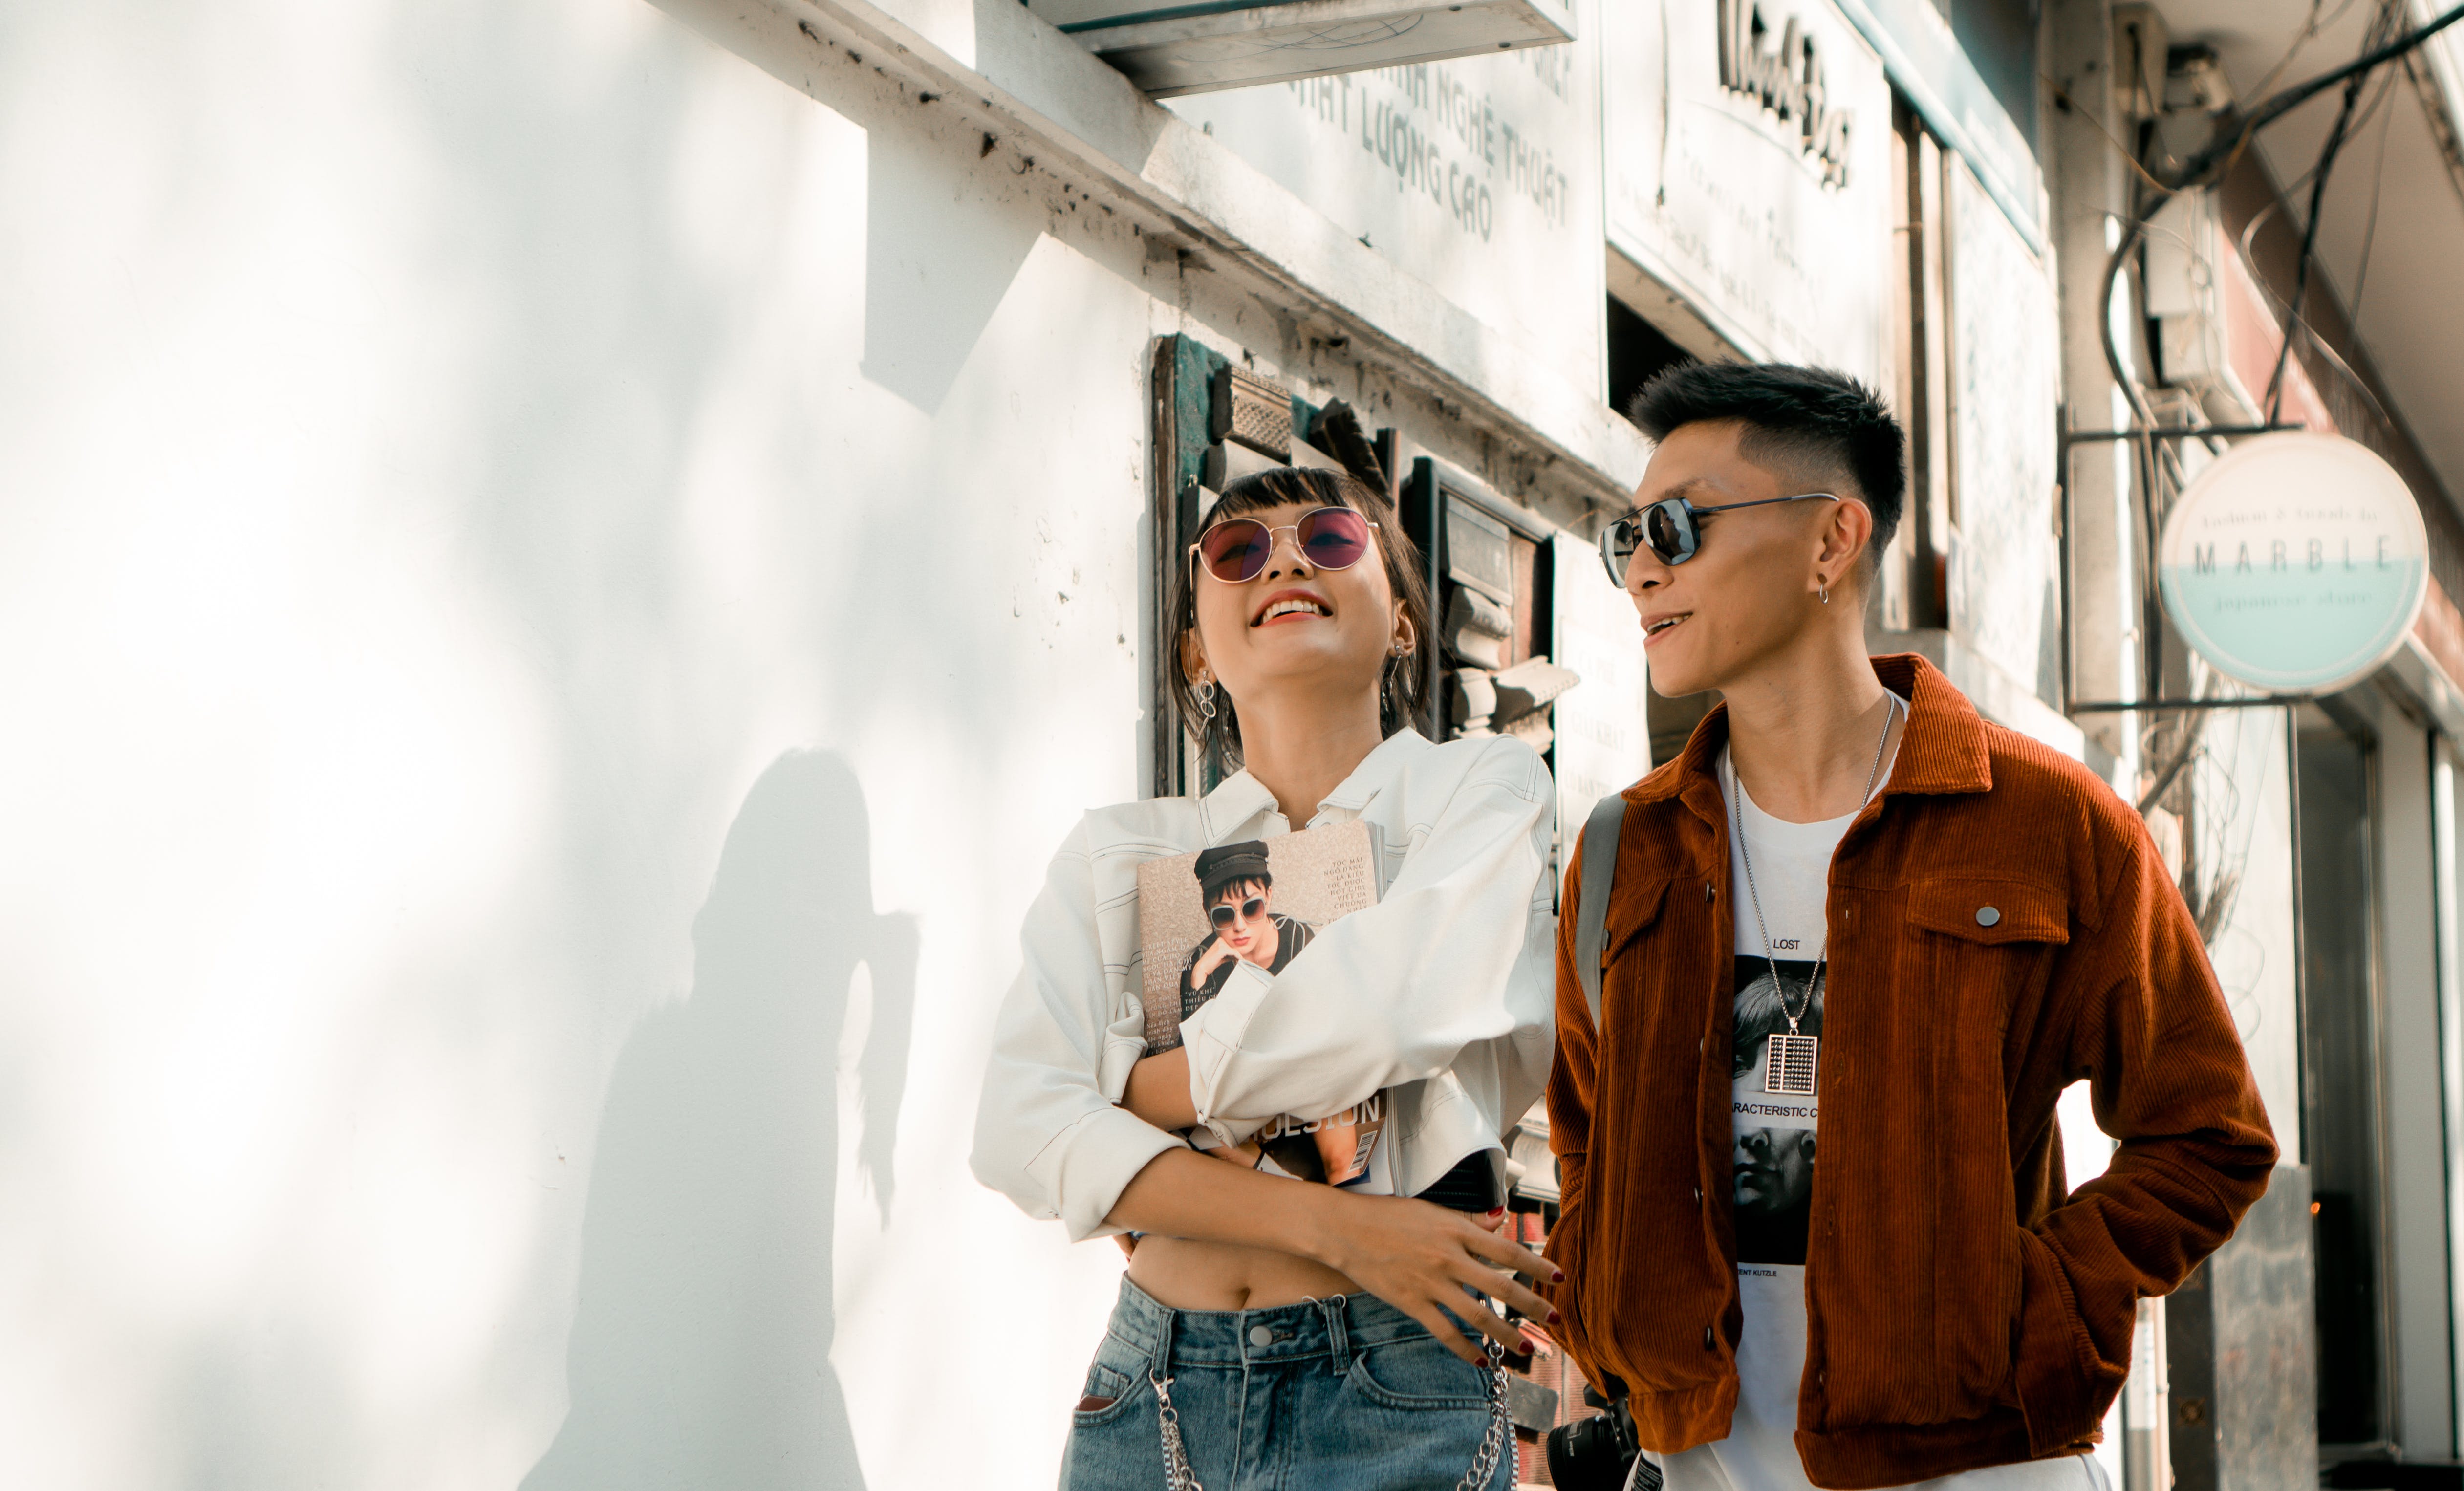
x=1170, y=49
x=1479, y=177
x=1748, y=170
x=2297, y=564
x=1786, y=81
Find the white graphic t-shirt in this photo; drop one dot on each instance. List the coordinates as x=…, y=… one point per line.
x=1776, y=1125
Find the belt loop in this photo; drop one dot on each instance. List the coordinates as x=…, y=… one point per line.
x=1163, y=1342
x=1339, y=1340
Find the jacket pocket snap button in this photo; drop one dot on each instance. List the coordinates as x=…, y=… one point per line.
x=1987, y=916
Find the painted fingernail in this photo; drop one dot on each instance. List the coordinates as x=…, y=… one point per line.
x=1557, y=1276
x=1554, y=1318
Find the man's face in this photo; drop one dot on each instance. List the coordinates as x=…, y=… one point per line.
x=1746, y=592
x=1774, y=1168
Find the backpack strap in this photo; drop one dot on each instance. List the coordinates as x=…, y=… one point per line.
x=1600, y=851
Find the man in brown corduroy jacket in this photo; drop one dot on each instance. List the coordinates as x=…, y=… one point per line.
x=1853, y=916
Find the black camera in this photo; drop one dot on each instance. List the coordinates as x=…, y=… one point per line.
x=1597, y=1454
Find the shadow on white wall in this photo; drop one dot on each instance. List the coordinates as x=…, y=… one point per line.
x=939, y=258
x=700, y=1347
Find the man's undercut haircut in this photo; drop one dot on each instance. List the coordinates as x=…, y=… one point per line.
x=1806, y=422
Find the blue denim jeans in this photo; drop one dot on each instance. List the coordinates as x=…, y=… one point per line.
x=1341, y=1395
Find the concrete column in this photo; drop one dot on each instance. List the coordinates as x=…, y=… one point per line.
x=2090, y=186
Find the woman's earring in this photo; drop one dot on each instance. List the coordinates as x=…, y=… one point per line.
x=1206, y=697
x=1826, y=595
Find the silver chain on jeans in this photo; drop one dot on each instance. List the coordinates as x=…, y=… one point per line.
x=1176, y=1474
x=1492, y=1443
x=1178, y=1477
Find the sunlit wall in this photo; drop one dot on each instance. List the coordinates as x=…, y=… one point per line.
x=554, y=596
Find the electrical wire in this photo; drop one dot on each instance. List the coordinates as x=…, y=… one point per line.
x=2370, y=225
x=2370, y=110
x=2277, y=303
x=2156, y=465
x=2373, y=108
x=2374, y=41
x=2310, y=28
x=2197, y=171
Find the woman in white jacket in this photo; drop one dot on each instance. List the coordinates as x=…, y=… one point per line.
x=1271, y=1331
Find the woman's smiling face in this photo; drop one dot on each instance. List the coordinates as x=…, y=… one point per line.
x=1296, y=624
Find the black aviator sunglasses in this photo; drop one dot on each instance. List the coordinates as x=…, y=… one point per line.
x=1673, y=529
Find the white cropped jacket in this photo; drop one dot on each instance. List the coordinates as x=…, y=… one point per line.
x=1443, y=991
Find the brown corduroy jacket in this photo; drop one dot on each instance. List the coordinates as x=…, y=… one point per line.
x=1961, y=1311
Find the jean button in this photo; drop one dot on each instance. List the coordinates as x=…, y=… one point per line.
x=1261, y=1337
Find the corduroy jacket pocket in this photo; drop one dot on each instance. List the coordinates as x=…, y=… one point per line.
x=1990, y=912
x=1635, y=912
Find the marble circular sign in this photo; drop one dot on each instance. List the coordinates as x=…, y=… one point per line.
x=2296, y=563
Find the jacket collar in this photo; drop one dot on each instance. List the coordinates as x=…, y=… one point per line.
x=1241, y=796
x=1943, y=750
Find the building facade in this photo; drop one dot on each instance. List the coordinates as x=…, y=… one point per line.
x=569, y=563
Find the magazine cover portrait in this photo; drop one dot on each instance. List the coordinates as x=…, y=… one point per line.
x=1259, y=902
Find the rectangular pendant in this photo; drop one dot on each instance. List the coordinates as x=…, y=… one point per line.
x=1789, y=1069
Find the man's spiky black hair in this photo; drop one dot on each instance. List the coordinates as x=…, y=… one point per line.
x=1798, y=420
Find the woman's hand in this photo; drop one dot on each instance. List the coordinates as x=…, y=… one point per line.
x=1424, y=1261
x=1217, y=954
x=1421, y=1257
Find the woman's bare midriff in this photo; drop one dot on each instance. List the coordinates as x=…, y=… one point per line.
x=1183, y=1275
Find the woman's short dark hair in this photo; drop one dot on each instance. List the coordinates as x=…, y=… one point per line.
x=1797, y=419
x=1406, y=686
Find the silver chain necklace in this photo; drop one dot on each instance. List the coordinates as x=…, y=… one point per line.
x=1794, y=1055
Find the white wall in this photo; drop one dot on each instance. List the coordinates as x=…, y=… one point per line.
x=555, y=595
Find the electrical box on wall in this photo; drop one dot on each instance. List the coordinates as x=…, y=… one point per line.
x=1169, y=49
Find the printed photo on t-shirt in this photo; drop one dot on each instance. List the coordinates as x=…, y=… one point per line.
x=1774, y=1129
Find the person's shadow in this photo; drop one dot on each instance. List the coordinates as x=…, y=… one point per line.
x=701, y=1340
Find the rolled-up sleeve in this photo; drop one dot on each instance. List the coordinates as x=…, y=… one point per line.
x=1396, y=991
x=1049, y=1133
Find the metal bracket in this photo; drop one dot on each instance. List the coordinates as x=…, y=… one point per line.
x=2069, y=439
x=2150, y=706
x=2074, y=437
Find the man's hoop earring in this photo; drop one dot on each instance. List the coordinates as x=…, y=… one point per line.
x=1826, y=595
x=1206, y=698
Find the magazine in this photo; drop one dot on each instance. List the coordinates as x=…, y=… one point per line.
x=1262, y=900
